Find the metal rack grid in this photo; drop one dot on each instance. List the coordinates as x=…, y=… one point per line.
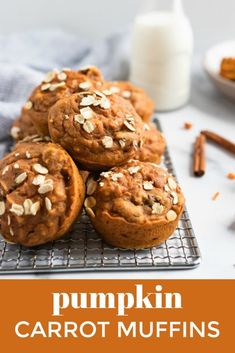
x=83, y=250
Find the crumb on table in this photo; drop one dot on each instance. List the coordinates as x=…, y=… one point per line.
x=188, y=126
x=231, y=176
x=215, y=196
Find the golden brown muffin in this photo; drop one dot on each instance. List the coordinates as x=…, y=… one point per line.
x=98, y=131
x=41, y=193
x=23, y=127
x=153, y=145
x=137, y=205
x=227, y=68
x=56, y=85
x=142, y=103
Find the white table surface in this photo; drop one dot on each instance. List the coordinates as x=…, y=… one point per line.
x=213, y=221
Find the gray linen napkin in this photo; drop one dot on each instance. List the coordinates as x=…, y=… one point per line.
x=26, y=57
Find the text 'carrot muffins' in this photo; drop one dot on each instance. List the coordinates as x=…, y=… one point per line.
x=56, y=85
x=142, y=103
x=98, y=131
x=41, y=193
x=137, y=205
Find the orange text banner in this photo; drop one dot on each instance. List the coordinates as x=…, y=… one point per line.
x=113, y=315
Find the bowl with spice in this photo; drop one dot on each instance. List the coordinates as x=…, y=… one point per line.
x=219, y=63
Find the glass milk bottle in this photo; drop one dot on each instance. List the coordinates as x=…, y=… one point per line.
x=162, y=47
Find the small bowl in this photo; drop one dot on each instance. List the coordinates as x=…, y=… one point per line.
x=212, y=63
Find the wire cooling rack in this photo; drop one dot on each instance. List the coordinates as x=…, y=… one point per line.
x=83, y=250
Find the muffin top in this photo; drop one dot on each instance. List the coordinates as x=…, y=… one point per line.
x=56, y=85
x=98, y=131
x=153, y=145
x=37, y=191
x=137, y=192
x=142, y=103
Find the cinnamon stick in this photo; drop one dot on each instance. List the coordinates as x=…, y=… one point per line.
x=199, y=164
x=219, y=140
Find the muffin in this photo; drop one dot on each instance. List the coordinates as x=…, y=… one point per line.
x=41, y=193
x=99, y=132
x=153, y=145
x=23, y=127
x=142, y=103
x=56, y=85
x=136, y=205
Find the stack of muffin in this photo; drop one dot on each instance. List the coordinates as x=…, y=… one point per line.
x=83, y=141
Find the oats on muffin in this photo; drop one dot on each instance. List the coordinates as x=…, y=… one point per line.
x=56, y=85
x=41, y=193
x=136, y=205
x=98, y=131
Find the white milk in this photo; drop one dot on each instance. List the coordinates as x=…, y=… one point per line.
x=162, y=47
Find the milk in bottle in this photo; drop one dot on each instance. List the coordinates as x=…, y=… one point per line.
x=162, y=46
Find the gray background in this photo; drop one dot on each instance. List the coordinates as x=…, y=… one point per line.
x=212, y=20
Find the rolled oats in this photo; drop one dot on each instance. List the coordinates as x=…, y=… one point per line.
x=88, y=127
x=172, y=184
x=54, y=86
x=105, y=103
x=126, y=94
x=48, y=204
x=129, y=126
x=107, y=142
x=171, y=215
x=35, y=208
x=17, y=209
x=79, y=119
x=157, y=208
x=28, y=105
x=38, y=179
x=40, y=169
x=133, y=170
x=46, y=187
x=90, y=202
x=85, y=85
x=146, y=127
x=15, y=131
x=91, y=186
x=5, y=170
x=27, y=206
x=62, y=76
x=117, y=176
x=148, y=185
x=89, y=100
x=90, y=212
x=45, y=86
x=49, y=77
x=175, y=197
x=20, y=178
x=2, y=208
x=27, y=154
x=122, y=143
x=87, y=113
